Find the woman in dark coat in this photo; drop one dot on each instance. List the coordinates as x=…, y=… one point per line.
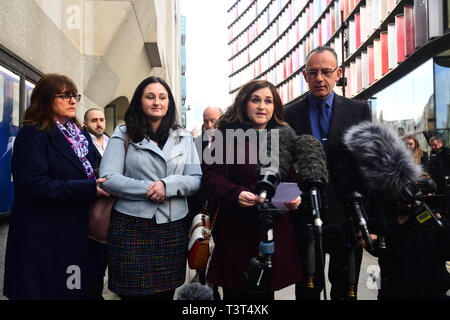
x=237, y=231
x=46, y=253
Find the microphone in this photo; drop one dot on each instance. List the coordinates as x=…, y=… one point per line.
x=276, y=157
x=386, y=164
x=274, y=162
x=195, y=291
x=312, y=178
x=310, y=162
x=311, y=170
x=384, y=160
x=350, y=188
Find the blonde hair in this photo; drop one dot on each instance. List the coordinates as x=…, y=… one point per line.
x=417, y=151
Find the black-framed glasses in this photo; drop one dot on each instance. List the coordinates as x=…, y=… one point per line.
x=68, y=96
x=325, y=72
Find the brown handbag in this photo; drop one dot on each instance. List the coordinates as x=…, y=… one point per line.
x=201, y=242
x=200, y=239
x=100, y=212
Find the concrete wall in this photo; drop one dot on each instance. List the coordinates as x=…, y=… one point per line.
x=99, y=44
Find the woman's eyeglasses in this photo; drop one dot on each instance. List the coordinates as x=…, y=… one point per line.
x=67, y=97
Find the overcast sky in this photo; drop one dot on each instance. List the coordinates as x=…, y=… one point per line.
x=207, y=54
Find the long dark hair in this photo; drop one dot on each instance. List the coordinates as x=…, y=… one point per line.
x=138, y=126
x=236, y=115
x=40, y=112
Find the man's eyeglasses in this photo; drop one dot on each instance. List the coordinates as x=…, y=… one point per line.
x=68, y=96
x=325, y=72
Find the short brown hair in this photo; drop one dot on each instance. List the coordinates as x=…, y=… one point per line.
x=40, y=112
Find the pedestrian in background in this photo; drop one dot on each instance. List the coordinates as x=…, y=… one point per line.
x=420, y=156
x=439, y=168
x=94, y=130
x=439, y=163
x=94, y=125
x=210, y=117
x=198, y=201
x=47, y=248
x=147, y=244
x=238, y=230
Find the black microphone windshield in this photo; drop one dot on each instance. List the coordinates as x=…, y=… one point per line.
x=309, y=162
x=384, y=160
x=278, y=158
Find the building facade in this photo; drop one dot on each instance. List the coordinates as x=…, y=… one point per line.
x=394, y=54
x=183, y=71
x=106, y=47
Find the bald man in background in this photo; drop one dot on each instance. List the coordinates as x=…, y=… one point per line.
x=210, y=116
x=196, y=202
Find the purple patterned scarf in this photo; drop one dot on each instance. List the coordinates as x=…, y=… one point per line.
x=79, y=144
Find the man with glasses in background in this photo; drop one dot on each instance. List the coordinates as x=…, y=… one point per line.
x=327, y=115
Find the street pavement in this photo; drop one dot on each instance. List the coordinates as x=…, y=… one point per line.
x=367, y=285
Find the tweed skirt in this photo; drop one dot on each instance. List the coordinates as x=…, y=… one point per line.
x=145, y=257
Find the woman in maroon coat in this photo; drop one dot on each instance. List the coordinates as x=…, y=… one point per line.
x=237, y=231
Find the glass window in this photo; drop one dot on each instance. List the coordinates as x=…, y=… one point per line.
x=17, y=81
x=9, y=126
x=408, y=104
x=442, y=91
x=442, y=80
x=447, y=16
x=28, y=89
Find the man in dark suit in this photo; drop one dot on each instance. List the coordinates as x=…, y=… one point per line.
x=94, y=125
x=326, y=115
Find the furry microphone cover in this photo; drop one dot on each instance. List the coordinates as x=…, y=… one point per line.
x=309, y=162
x=279, y=163
x=195, y=291
x=384, y=159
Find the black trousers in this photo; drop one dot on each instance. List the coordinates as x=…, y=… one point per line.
x=344, y=265
x=97, y=262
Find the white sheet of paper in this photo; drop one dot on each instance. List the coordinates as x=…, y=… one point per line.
x=286, y=191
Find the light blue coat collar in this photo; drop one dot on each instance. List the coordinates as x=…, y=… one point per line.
x=169, y=151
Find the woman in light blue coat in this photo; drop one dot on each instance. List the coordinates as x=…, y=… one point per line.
x=147, y=243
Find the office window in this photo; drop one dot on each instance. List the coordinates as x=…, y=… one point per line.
x=9, y=126
x=442, y=85
x=10, y=116
x=17, y=81
x=411, y=113
x=447, y=15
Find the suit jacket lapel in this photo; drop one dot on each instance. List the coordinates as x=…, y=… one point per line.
x=62, y=145
x=303, y=117
x=93, y=154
